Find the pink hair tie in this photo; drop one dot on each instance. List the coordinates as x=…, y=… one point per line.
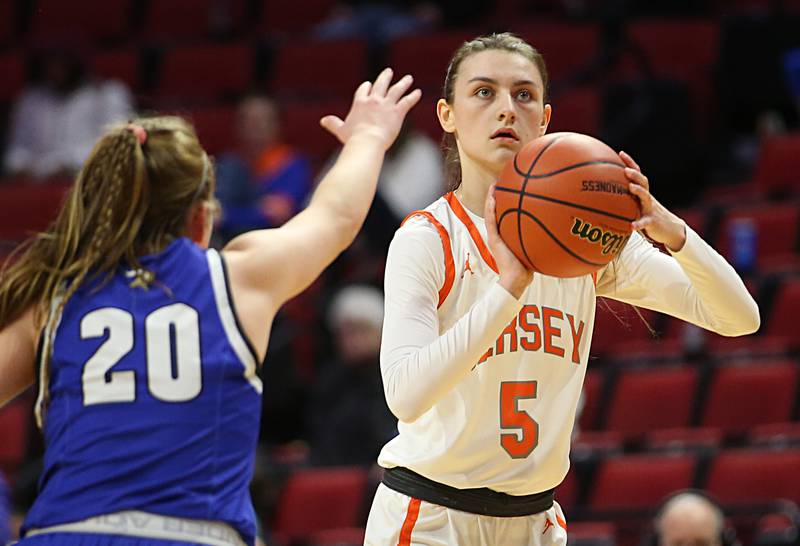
x=138, y=130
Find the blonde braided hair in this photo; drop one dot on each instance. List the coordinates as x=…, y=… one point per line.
x=132, y=197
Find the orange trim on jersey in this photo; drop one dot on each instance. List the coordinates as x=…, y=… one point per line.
x=408, y=524
x=473, y=231
x=561, y=522
x=594, y=278
x=449, y=263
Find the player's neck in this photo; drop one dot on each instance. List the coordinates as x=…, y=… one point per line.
x=475, y=184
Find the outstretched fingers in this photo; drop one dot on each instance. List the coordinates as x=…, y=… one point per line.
x=399, y=88
x=363, y=90
x=408, y=102
x=381, y=85
x=332, y=124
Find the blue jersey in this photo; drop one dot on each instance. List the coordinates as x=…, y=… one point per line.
x=154, y=399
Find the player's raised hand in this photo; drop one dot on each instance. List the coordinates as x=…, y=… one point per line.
x=377, y=111
x=514, y=276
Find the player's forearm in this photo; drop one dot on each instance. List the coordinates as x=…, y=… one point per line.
x=416, y=378
x=347, y=191
x=718, y=287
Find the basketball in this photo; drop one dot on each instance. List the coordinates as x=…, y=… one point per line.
x=563, y=205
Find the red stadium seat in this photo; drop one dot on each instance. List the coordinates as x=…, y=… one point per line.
x=216, y=127
x=752, y=393
x=319, y=499
x=12, y=67
x=202, y=72
x=750, y=476
x=279, y=17
x=592, y=392
x=7, y=21
x=423, y=117
x=34, y=207
x=345, y=536
x=117, y=64
x=189, y=19
x=590, y=443
x=15, y=424
x=678, y=48
x=684, y=50
x=566, y=47
x=92, y=19
x=652, y=398
x=727, y=195
x=592, y=533
x=301, y=127
x=648, y=350
x=617, y=322
x=684, y=439
x=436, y=48
x=567, y=491
x=694, y=217
x=640, y=481
x=783, y=318
x=752, y=346
x=577, y=110
x=314, y=69
x=776, y=229
x=776, y=171
x=775, y=434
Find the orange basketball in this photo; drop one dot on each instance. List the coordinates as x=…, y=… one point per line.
x=563, y=205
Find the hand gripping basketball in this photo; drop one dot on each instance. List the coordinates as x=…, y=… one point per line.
x=514, y=276
x=658, y=223
x=377, y=111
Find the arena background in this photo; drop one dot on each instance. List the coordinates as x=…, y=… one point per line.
x=704, y=94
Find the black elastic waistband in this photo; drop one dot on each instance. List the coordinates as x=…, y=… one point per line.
x=481, y=501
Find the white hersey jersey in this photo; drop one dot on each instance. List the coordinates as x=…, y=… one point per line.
x=507, y=424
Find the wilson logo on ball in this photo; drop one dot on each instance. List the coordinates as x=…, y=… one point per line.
x=611, y=242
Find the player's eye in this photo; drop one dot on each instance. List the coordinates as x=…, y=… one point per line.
x=483, y=92
x=524, y=95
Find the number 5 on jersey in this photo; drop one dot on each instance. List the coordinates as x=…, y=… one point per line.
x=521, y=443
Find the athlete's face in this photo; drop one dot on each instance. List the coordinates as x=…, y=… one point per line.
x=498, y=106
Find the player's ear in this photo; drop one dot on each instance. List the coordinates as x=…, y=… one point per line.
x=446, y=116
x=547, y=113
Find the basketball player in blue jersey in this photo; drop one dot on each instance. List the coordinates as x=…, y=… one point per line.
x=148, y=341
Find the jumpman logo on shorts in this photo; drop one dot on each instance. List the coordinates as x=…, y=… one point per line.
x=467, y=267
x=547, y=525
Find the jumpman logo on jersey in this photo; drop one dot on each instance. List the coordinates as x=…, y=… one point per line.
x=467, y=267
x=547, y=525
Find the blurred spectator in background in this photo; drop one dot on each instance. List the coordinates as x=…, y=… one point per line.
x=60, y=115
x=381, y=21
x=263, y=182
x=412, y=177
x=348, y=418
x=691, y=517
x=377, y=22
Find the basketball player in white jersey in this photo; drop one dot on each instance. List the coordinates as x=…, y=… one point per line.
x=482, y=360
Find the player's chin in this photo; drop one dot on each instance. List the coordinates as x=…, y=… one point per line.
x=503, y=154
